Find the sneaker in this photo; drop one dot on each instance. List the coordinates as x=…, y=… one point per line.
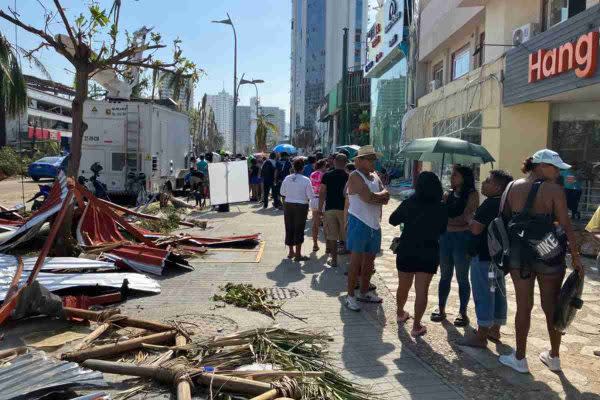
x=370, y=298
x=352, y=304
x=512, y=362
x=553, y=363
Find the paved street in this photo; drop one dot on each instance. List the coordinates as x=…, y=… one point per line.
x=369, y=345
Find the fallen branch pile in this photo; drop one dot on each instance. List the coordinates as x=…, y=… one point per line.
x=254, y=299
x=259, y=364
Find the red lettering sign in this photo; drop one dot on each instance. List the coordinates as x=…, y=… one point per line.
x=376, y=41
x=582, y=56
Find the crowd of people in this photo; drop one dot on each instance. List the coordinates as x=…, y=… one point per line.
x=445, y=230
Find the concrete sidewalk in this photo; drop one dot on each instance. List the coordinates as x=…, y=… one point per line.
x=368, y=352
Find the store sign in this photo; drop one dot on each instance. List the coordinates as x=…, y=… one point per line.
x=393, y=40
x=581, y=56
x=394, y=14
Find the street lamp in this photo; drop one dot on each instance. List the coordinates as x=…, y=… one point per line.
x=228, y=21
x=252, y=82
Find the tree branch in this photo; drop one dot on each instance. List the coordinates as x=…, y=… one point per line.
x=65, y=22
x=130, y=52
x=161, y=67
x=60, y=47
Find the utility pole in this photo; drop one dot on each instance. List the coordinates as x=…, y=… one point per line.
x=343, y=136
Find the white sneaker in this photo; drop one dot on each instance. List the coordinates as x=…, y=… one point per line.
x=512, y=362
x=370, y=298
x=352, y=304
x=553, y=363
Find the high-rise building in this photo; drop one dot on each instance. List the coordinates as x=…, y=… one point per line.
x=244, y=135
x=186, y=92
x=317, y=52
x=222, y=105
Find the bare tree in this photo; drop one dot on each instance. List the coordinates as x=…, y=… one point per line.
x=90, y=43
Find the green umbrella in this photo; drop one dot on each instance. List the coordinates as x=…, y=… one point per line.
x=447, y=149
x=352, y=149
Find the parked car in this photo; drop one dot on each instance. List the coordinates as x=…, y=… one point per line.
x=47, y=167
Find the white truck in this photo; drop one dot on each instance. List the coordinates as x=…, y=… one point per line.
x=135, y=139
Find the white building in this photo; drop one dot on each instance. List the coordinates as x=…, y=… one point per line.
x=244, y=137
x=316, y=52
x=222, y=105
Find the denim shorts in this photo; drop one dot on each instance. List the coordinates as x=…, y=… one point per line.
x=361, y=238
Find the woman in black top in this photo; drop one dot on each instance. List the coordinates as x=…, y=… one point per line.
x=425, y=218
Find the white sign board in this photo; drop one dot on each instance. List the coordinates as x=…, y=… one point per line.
x=228, y=182
x=384, y=37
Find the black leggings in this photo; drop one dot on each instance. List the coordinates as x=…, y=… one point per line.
x=294, y=216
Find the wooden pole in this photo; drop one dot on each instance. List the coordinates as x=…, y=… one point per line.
x=95, y=334
x=271, y=394
x=233, y=384
x=118, y=319
x=127, y=211
x=118, y=348
x=12, y=352
x=184, y=390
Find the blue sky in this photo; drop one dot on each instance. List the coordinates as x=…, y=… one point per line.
x=263, y=29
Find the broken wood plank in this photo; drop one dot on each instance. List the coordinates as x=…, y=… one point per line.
x=15, y=351
x=118, y=319
x=95, y=334
x=108, y=350
x=184, y=389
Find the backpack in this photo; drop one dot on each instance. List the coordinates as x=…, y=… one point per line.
x=539, y=240
x=497, y=237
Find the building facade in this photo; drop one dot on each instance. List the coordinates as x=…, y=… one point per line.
x=222, y=105
x=186, y=93
x=317, y=53
x=514, y=82
x=244, y=137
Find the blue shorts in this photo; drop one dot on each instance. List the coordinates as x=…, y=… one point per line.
x=361, y=238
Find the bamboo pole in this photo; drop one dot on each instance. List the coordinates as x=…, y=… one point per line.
x=271, y=394
x=118, y=348
x=95, y=334
x=166, y=375
x=184, y=390
x=12, y=352
x=121, y=320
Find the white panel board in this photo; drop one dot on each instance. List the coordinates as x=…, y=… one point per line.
x=228, y=182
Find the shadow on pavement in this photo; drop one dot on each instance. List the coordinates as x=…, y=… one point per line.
x=286, y=273
x=363, y=345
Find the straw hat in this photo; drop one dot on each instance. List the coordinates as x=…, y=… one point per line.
x=368, y=150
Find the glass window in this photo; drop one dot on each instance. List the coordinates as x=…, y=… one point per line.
x=461, y=62
x=388, y=105
x=118, y=161
x=556, y=11
x=438, y=73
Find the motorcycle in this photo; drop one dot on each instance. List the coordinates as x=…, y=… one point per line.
x=99, y=188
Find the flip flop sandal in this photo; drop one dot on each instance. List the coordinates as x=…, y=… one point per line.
x=315, y=248
x=470, y=341
x=404, y=318
x=301, y=258
x=371, y=286
x=419, y=332
x=495, y=339
x=290, y=257
x=461, y=321
x=437, y=316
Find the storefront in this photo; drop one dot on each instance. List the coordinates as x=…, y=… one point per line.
x=386, y=66
x=558, y=70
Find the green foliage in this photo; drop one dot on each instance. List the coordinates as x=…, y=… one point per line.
x=168, y=223
x=13, y=91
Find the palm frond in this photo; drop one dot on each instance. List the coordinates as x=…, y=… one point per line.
x=33, y=60
x=13, y=90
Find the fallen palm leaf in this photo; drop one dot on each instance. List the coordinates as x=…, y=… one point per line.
x=251, y=298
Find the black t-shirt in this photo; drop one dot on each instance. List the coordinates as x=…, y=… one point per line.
x=335, y=181
x=484, y=215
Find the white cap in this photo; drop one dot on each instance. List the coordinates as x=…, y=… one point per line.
x=551, y=157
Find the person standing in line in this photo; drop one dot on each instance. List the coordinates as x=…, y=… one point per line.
x=309, y=168
x=490, y=301
x=315, y=180
x=269, y=177
x=544, y=207
x=572, y=189
x=332, y=199
x=366, y=197
x=284, y=168
x=461, y=201
x=254, y=180
x=424, y=219
x=297, y=192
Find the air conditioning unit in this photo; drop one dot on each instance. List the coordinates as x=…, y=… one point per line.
x=433, y=85
x=524, y=33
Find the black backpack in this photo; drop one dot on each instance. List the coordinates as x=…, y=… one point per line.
x=497, y=237
x=538, y=238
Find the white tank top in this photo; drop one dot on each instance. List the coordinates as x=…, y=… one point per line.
x=369, y=214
